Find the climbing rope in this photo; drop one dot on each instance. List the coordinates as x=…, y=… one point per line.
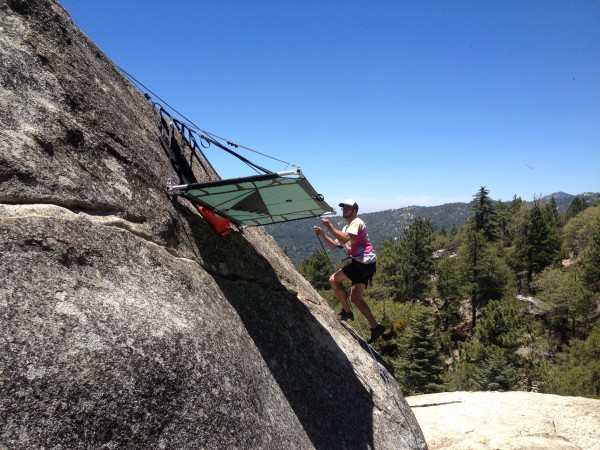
x=381, y=370
x=204, y=135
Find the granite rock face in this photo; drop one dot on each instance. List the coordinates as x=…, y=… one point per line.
x=507, y=421
x=125, y=320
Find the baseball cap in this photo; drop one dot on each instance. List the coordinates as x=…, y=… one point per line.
x=350, y=202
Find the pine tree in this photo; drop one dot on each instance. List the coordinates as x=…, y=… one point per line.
x=576, y=372
x=484, y=214
x=571, y=306
x=480, y=367
x=420, y=366
x=590, y=261
x=386, y=281
x=495, y=372
x=317, y=269
x=500, y=324
x=537, y=244
x=450, y=292
x=484, y=275
x=453, y=230
x=554, y=222
x=489, y=362
x=506, y=216
x=577, y=205
x=577, y=234
x=415, y=260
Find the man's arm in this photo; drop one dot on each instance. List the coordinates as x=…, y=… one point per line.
x=340, y=236
x=330, y=242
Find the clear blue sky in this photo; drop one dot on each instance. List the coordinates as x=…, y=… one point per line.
x=391, y=102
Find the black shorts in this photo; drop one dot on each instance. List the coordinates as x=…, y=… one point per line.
x=359, y=272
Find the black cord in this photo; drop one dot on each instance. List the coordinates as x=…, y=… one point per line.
x=191, y=124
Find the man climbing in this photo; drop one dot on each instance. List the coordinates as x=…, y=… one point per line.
x=361, y=268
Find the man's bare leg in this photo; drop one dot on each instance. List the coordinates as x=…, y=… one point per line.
x=336, y=281
x=356, y=295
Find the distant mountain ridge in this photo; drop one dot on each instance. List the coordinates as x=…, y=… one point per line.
x=298, y=240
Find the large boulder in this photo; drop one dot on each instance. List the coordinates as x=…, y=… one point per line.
x=125, y=320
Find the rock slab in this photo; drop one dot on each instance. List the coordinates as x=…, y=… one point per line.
x=507, y=421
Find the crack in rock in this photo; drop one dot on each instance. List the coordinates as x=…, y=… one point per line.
x=110, y=218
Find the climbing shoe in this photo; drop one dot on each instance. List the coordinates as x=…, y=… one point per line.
x=376, y=333
x=346, y=315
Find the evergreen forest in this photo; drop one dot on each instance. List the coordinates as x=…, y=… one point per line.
x=510, y=300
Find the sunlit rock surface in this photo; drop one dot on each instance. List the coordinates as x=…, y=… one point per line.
x=507, y=421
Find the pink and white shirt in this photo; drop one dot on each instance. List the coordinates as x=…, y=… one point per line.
x=359, y=246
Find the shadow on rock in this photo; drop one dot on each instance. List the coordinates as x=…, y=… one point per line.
x=316, y=378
